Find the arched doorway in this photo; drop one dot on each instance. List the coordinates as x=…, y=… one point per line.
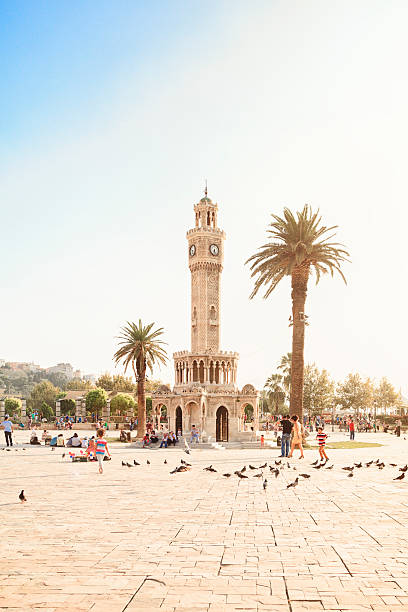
x=179, y=420
x=247, y=417
x=221, y=428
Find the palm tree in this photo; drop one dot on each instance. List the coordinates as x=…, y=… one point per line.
x=274, y=390
x=298, y=245
x=285, y=365
x=140, y=347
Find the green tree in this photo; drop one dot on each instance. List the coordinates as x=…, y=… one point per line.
x=298, y=245
x=43, y=392
x=354, y=393
x=67, y=407
x=275, y=392
x=47, y=411
x=95, y=400
x=318, y=390
x=105, y=381
x=140, y=347
x=12, y=406
x=78, y=384
x=122, y=383
x=122, y=403
x=285, y=365
x=385, y=395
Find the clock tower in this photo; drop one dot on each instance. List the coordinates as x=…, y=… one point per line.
x=205, y=258
x=205, y=393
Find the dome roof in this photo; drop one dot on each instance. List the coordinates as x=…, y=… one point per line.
x=206, y=200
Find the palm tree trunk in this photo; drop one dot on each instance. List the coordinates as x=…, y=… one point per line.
x=141, y=406
x=300, y=276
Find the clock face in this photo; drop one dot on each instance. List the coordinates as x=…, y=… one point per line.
x=192, y=250
x=214, y=250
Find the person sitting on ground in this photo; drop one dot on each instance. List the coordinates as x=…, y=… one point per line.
x=53, y=441
x=165, y=439
x=74, y=441
x=45, y=435
x=194, y=435
x=34, y=438
x=84, y=442
x=60, y=440
x=91, y=448
x=123, y=436
x=172, y=438
x=146, y=439
x=153, y=437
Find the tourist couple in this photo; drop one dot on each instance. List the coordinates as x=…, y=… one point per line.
x=290, y=426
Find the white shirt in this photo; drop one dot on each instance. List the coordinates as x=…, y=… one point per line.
x=7, y=425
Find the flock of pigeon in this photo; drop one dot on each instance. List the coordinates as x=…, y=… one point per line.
x=277, y=468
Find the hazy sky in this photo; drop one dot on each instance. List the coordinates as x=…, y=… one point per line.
x=112, y=115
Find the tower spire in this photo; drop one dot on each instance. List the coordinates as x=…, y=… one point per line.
x=205, y=190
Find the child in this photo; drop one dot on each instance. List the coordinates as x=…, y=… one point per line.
x=321, y=438
x=101, y=448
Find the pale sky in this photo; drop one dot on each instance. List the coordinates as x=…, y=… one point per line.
x=114, y=113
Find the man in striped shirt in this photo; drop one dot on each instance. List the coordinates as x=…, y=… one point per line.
x=321, y=440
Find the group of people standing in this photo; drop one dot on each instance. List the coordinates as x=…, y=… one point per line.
x=291, y=428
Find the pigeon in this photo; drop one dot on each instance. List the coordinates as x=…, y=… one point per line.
x=135, y=462
x=257, y=476
x=165, y=462
x=277, y=473
x=211, y=470
x=265, y=484
x=148, y=462
x=183, y=468
x=305, y=475
x=349, y=469
x=128, y=465
x=400, y=477
x=8, y=449
x=278, y=462
x=251, y=467
x=393, y=464
x=22, y=497
x=243, y=469
x=330, y=467
x=350, y=475
x=358, y=465
x=63, y=455
x=124, y=464
x=241, y=475
x=227, y=475
x=296, y=468
x=24, y=448
x=369, y=463
x=261, y=467
x=317, y=467
x=404, y=469
x=293, y=484
x=187, y=451
x=208, y=469
x=53, y=448
x=315, y=463
x=174, y=471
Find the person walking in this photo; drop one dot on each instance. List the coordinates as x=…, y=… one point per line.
x=351, y=429
x=101, y=449
x=321, y=440
x=297, y=436
x=8, y=430
x=287, y=426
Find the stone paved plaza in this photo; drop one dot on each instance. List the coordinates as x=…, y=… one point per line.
x=141, y=539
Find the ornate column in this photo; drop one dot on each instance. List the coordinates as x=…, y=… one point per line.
x=23, y=409
x=78, y=403
x=2, y=409
x=57, y=409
